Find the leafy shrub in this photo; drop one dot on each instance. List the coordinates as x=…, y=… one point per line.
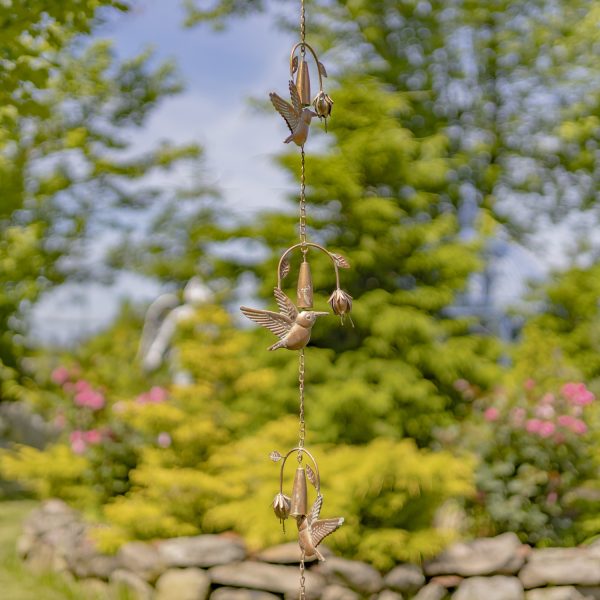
x=536, y=458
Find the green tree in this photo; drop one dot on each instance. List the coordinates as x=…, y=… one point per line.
x=66, y=163
x=382, y=196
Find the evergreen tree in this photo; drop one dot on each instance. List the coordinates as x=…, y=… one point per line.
x=66, y=163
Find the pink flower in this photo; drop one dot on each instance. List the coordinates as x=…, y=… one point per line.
x=575, y=425
x=546, y=429
x=529, y=384
x=60, y=375
x=77, y=440
x=164, y=439
x=552, y=497
x=544, y=411
x=142, y=399
x=157, y=394
x=90, y=398
x=577, y=394
x=533, y=425
x=491, y=414
x=547, y=399
x=93, y=436
x=82, y=385
x=565, y=421
x=518, y=416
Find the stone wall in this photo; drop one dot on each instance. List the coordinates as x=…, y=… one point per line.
x=218, y=567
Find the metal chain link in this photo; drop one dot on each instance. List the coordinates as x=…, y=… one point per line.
x=303, y=202
x=302, y=432
x=302, y=24
x=302, y=595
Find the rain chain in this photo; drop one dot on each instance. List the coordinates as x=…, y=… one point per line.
x=293, y=324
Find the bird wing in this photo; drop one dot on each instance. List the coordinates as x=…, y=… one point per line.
x=321, y=529
x=286, y=306
x=295, y=96
x=277, y=323
x=286, y=110
x=315, y=511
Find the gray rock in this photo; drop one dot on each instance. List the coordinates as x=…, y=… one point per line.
x=142, y=559
x=41, y=558
x=498, y=587
x=262, y=576
x=432, y=591
x=565, y=592
x=183, y=584
x=287, y=554
x=561, y=566
x=95, y=589
x=405, y=578
x=339, y=592
x=389, y=595
x=93, y=565
x=485, y=556
x=25, y=544
x=228, y=593
x=591, y=593
x=357, y=575
x=201, y=551
x=126, y=580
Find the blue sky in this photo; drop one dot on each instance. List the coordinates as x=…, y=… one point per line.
x=221, y=71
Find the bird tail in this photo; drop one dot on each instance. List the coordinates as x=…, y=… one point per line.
x=288, y=139
x=319, y=555
x=277, y=345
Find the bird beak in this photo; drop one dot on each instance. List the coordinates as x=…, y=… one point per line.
x=321, y=314
x=313, y=113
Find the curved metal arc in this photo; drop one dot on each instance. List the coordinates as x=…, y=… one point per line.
x=303, y=245
x=305, y=45
x=298, y=449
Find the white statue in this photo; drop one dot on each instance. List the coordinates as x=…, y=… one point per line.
x=159, y=329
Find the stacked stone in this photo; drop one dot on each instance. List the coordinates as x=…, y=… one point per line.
x=218, y=567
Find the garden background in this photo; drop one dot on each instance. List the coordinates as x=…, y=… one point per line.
x=460, y=162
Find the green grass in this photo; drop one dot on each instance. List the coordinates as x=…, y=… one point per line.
x=16, y=581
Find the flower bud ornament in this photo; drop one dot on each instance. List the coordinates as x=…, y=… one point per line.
x=323, y=105
x=341, y=303
x=281, y=506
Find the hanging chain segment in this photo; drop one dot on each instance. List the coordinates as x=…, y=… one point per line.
x=302, y=25
x=303, y=202
x=302, y=595
x=302, y=431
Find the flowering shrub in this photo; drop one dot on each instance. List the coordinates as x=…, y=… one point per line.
x=94, y=432
x=535, y=459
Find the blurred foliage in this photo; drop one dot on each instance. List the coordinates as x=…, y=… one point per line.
x=568, y=323
x=66, y=163
x=436, y=127
x=537, y=471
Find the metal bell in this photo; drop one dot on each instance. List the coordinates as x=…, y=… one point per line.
x=299, y=504
x=303, y=83
x=305, y=287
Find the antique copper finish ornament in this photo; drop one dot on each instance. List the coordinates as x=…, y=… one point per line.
x=311, y=529
x=281, y=506
x=293, y=328
x=341, y=303
x=297, y=118
x=293, y=324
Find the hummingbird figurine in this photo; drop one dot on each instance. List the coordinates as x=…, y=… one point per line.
x=291, y=327
x=311, y=531
x=297, y=118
